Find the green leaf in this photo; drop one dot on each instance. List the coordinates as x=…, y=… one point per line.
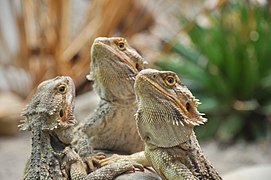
x=228, y=61
x=208, y=130
x=230, y=127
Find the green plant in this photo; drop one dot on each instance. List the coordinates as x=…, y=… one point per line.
x=228, y=67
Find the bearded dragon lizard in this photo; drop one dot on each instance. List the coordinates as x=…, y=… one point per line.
x=167, y=112
x=49, y=117
x=114, y=65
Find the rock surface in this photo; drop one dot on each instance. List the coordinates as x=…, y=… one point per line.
x=232, y=162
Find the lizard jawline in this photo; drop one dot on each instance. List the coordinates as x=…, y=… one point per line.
x=172, y=99
x=121, y=59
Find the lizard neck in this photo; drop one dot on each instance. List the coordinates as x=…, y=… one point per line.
x=43, y=163
x=196, y=161
x=160, y=125
x=115, y=93
x=121, y=102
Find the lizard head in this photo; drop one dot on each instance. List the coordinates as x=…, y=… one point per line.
x=165, y=86
x=52, y=105
x=114, y=65
x=165, y=106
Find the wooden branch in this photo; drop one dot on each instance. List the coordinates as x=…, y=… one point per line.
x=30, y=12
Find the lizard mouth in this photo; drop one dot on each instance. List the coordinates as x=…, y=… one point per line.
x=164, y=92
x=65, y=114
x=120, y=56
x=131, y=77
x=65, y=117
x=191, y=116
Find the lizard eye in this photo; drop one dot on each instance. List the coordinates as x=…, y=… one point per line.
x=122, y=45
x=170, y=81
x=62, y=89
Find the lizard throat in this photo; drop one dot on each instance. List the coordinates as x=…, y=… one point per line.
x=123, y=103
x=56, y=143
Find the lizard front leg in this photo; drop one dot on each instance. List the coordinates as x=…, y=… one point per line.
x=176, y=171
x=85, y=150
x=136, y=157
x=169, y=165
x=76, y=168
x=112, y=170
x=72, y=165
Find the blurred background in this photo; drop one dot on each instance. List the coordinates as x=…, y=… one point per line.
x=220, y=49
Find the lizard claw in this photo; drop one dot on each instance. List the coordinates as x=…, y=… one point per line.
x=113, y=158
x=114, y=169
x=138, y=166
x=93, y=161
x=100, y=156
x=69, y=160
x=128, y=166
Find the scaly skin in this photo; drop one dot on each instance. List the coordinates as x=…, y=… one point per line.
x=166, y=116
x=167, y=112
x=114, y=65
x=49, y=114
x=49, y=117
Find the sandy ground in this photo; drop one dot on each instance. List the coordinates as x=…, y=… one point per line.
x=14, y=151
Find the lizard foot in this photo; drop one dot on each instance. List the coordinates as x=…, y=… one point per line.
x=114, y=169
x=114, y=158
x=71, y=164
x=93, y=161
x=128, y=165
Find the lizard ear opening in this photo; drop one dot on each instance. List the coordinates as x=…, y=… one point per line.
x=188, y=106
x=61, y=113
x=137, y=66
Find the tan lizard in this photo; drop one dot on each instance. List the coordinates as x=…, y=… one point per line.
x=114, y=65
x=167, y=112
x=49, y=117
